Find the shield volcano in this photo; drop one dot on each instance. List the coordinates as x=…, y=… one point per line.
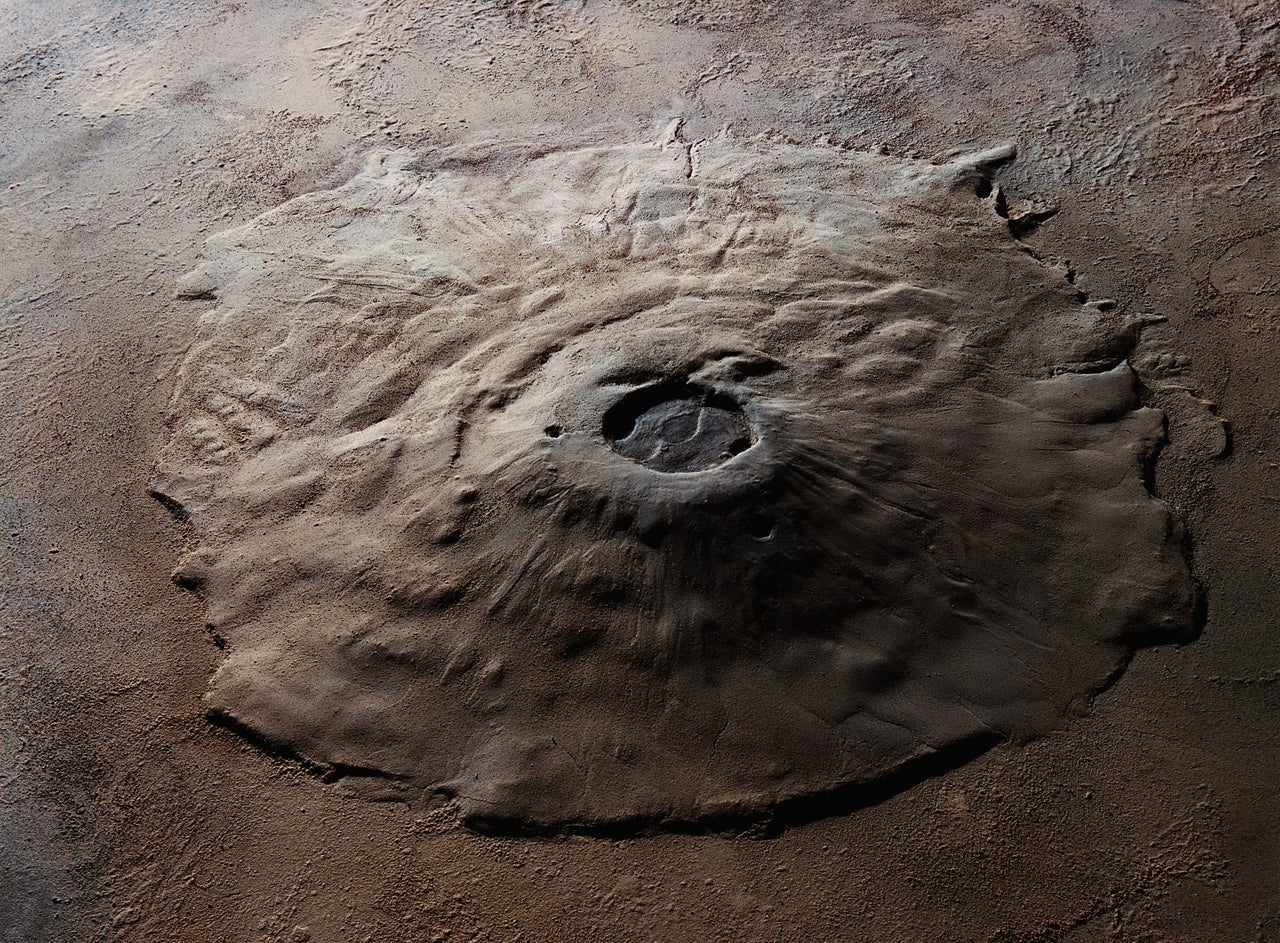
x=659, y=483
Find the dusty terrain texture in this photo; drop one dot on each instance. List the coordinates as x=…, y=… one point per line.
x=133, y=133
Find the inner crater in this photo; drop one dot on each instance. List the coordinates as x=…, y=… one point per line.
x=678, y=427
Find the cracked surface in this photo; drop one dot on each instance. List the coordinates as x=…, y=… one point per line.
x=652, y=483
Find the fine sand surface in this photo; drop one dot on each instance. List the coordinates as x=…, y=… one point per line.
x=639, y=471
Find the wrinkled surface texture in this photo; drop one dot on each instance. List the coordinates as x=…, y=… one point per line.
x=654, y=482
